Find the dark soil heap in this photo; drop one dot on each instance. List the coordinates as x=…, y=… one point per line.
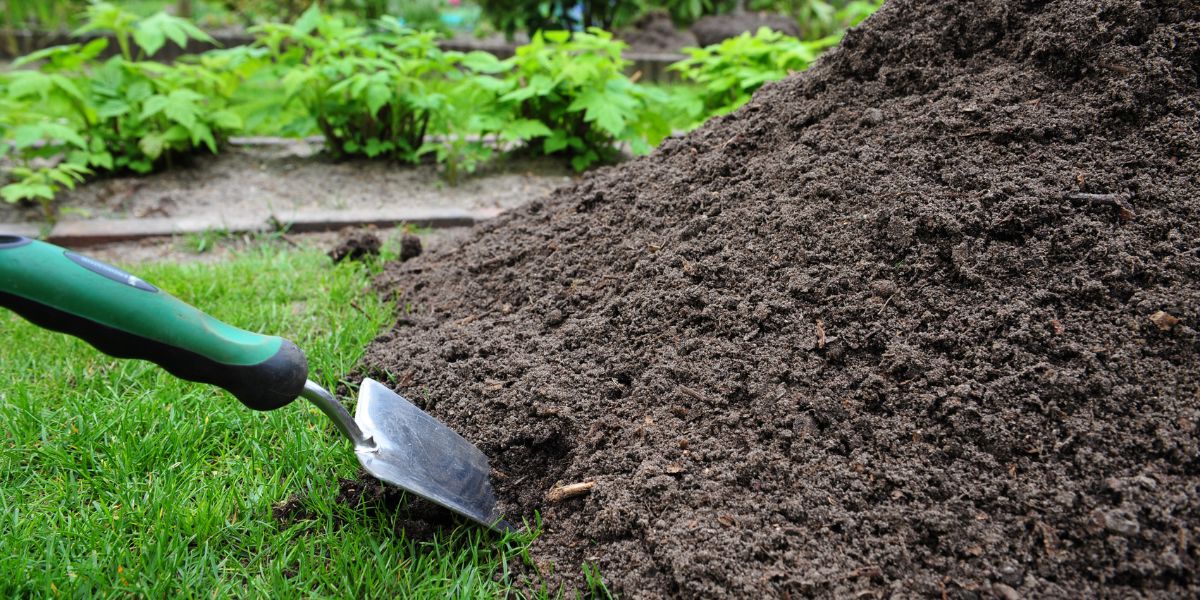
x=918, y=321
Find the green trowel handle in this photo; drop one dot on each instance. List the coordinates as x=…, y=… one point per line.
x=126, y=317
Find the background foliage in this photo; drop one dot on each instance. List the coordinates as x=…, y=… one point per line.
x=76, y=114
x=371, y=89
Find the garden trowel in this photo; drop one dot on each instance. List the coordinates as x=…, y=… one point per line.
x=126, y=317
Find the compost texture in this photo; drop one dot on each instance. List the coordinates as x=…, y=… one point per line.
x=919, y=321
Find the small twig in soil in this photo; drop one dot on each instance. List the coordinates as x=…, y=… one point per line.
x=559, y=493
x=1117, y=201
x=1122, y=69
x=687, y=391
x=1110, y=199
x=886, y=302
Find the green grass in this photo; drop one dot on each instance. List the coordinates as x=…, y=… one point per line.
x=118, y=480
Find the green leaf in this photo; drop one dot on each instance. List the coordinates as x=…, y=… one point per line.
x=28, y=83
x=25, y=136
x=139, y=91
x=582, y=161
x=152, y=32
x=525, y=129
x=64, y=177
x=15, y=192
x=181, y=107
x=378, y=95
x=175, y=134
x=225, y=119
x=113, y=108
x=65, y=133
x=375, y=147
x=601, y=109
x=153, y=105
x=202, y=134
x=101, y=159
x=150, y=39
x=483, y=62
x=555, y=142
x=152, y=145
x=68, y=87
x=309, y=20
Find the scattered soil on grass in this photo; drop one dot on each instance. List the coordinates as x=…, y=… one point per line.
x=356, y=245
x=410, y=247
x=889, y=329
x=183, y=248
x=715, y=29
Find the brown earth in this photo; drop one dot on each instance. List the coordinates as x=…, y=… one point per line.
x=917, y=322
x=356, y=245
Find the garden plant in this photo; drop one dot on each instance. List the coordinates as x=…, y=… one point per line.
x=76, y=113
x=728, y=73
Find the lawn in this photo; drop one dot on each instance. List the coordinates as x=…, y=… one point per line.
x=117, y=479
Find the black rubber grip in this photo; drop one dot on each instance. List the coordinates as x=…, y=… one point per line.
x=268, y=385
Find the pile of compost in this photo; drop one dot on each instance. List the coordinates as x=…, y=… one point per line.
x=921, y=320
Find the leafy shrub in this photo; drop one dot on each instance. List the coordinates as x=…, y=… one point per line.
x=367, y=94
x=570, y=91
x=382, y=94
x=76, y=114
x=35, y=146
x=393, y=93
x=728, y=73
x=531, y=16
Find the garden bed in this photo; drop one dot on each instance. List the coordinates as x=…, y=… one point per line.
x=262, y=184
x=919, y=321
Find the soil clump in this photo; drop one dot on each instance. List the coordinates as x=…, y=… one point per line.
x=410, y=246
x=356, y=245
x=892, y=328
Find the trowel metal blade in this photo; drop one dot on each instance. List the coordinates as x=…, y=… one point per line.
x=420, y=455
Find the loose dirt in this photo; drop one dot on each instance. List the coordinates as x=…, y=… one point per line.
x=356, y=245
x=890, y=329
